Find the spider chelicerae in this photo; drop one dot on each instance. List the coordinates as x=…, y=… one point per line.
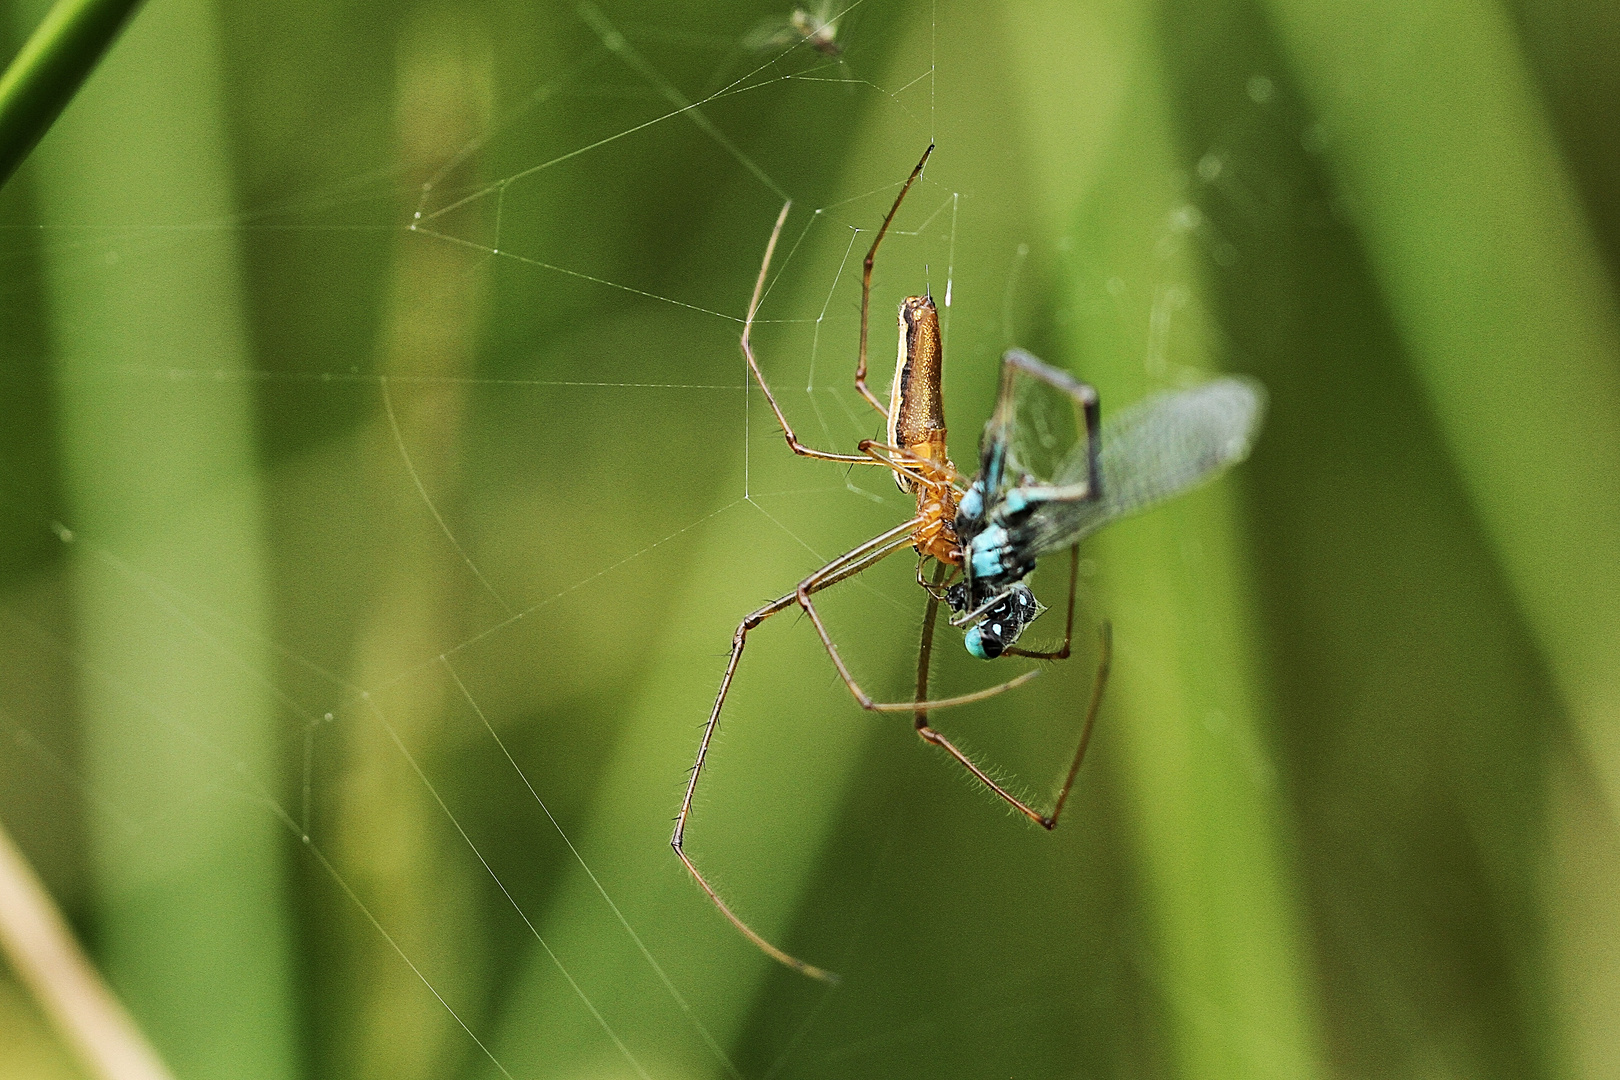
x=984, y=535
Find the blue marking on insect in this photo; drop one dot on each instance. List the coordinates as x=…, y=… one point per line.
x=974, y=640
x=1016, y=502
x=972, y=504
x=1002, y=621
x=994, y=538
x=985, y=552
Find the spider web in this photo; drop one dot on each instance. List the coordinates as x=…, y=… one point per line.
x=514, y=491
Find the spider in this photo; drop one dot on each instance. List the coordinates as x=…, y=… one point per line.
x=989, y=530
x=816, y=27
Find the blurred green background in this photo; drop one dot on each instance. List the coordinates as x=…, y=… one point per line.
x=363, y=589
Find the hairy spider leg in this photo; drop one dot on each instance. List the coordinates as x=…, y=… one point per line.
x=928, y=734
x=918, y=460
x=1061, y=653
x=1099, y=681
x=866, y=296
x=913, y=464
x=753, y=365
x=841, y=568
x=865, y=700
x=1084, y=396
x=866, y=282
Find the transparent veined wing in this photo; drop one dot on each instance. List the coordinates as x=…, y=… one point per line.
x=1037, y=431
x=1152, y=451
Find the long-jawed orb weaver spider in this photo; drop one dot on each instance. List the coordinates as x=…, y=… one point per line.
x=992, y=529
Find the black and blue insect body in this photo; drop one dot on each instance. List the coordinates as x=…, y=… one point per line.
x=1009, y=517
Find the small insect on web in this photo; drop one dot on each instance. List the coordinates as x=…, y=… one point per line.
x=816, y=27
x=1037, y=491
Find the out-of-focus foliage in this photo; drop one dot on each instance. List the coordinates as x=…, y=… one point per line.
x=329, y=548
x=46, y=73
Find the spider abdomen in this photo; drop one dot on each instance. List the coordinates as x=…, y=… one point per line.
x=916, y=405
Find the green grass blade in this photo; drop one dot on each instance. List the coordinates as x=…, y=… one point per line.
x=1475, y=231
x=1230, y=960
x=170, y=579
x=49, y=70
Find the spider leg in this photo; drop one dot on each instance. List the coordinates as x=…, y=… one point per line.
x=1016, y=362
x=925, y=647
x=866, y=283
x=930, y=735
x=753, y=365
x=939, y=588
x=812, y=584
x=1061, y=653
x=845, y=566
x=1105, y=658
x=893, y=458
x=840, y=568
x=911, y=464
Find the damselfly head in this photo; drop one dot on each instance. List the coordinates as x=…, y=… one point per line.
x=1000, y=623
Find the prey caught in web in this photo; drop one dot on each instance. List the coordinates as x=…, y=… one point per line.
x=1050, y=473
